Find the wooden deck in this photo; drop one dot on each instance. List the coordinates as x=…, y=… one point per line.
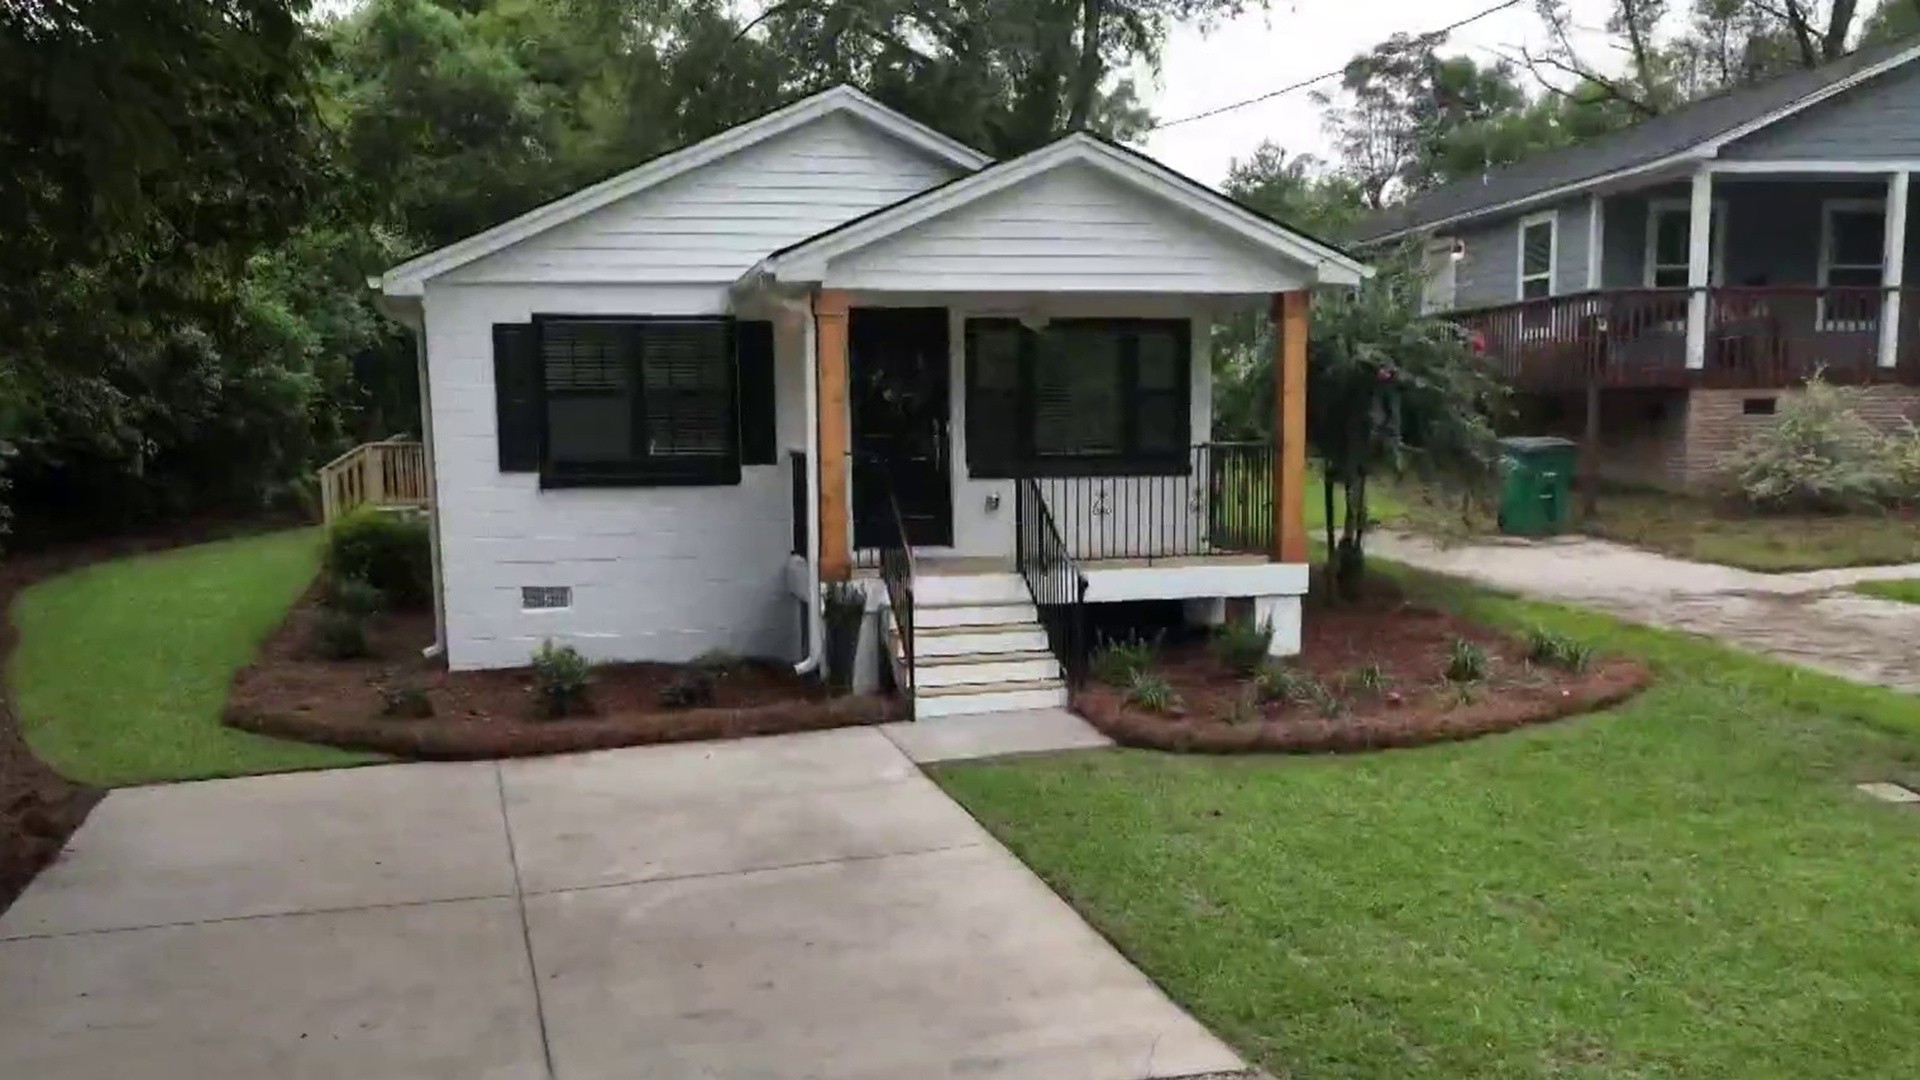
x=388, y=473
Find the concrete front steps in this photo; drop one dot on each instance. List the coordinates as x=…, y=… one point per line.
x=978, y=647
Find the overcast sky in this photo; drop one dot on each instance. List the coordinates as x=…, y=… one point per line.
x=1263, y=51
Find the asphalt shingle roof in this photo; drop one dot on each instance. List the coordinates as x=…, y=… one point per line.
x=1645, y=142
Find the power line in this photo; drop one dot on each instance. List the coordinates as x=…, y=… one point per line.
x=1325, y=75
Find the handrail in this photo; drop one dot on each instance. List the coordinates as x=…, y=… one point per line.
x=1054, y=580
x=390, y=472
x=897, y=571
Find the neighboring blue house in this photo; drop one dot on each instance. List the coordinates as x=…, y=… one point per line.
x=1693, y=268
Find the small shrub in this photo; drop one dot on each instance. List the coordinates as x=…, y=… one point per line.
x=1281, y=682
x=561, y=677
x=1819, y=454
x=1242, y=646
x=1151, y=691
x=1557, y=650
x=1369, y=679
x=392, y=551
x=717, y=662
x=692, y=689
x=406, y=703
x=1115, y=663
x=1245, y=709
x=354, y=596
x=1466, y=662
x=339, y=635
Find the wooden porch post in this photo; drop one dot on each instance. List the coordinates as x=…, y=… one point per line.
x=1893, y=269
x=830, y=322
x=1290, y=321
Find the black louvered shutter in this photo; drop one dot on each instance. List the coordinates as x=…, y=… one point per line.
x=516, y=396
x=753, y=352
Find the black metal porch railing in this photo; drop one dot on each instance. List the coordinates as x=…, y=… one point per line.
x=1221, y=503
x=896, y=570
x=1054, y=579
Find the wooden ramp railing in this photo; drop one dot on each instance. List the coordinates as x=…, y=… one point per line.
x=391, y=472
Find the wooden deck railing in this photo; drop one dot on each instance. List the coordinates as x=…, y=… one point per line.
x=1757, y=337
x=392, y=472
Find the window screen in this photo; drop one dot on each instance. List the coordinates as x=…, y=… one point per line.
x=1854, y=241
x=639, y=401
x=1079, y=396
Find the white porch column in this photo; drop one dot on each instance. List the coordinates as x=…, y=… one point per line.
x=1699, y=259
x=1893, y=266
x=1596, y=237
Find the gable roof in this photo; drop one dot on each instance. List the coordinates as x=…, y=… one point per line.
x=808, y=259
x=409, y=277
x=1697, y=130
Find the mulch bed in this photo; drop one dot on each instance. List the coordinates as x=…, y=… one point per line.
x=39, y=808
x=1417, y=706
x=290, y=693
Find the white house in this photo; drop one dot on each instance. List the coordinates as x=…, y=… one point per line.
x=629, y=395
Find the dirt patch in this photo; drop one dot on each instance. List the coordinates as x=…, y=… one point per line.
x=39, y=808
x=1411, y=703
x=291, y=693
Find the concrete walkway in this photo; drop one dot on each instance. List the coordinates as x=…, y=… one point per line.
x=1808, y=618
x=801, y=906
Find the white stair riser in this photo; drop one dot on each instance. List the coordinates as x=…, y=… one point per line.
x=1006, y=701
x=986, y=642
x=974, y=615
x=927, y=676
x=954, y=589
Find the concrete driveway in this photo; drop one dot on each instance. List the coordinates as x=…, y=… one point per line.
x=1807, y=618
x=803, y=906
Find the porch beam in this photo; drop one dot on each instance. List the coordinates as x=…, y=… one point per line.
x=1291, y=318
x=1699, y=262
x=1893, y=268
x=830, y=328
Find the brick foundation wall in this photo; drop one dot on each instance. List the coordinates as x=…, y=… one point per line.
x=1643, y=433
x=1718, y=421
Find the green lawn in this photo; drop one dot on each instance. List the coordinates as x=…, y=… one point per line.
x=1696, y=529
x=122, y=667
x=1686, y=886
x=1906, y=591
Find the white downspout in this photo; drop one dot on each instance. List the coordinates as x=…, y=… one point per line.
x=816, y=623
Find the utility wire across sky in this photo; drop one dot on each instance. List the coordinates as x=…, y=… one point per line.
x=1325, y=75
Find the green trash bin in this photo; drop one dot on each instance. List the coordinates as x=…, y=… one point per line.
x=1536, y=484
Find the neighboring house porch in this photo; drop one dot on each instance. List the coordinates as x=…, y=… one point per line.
x=1654, y=291
x=1797, y=270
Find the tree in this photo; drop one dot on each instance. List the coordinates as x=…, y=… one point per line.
x=1406, y=118
x=152, y=147
x=1391, y=391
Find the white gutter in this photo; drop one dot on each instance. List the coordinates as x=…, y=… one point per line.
x=816, y=622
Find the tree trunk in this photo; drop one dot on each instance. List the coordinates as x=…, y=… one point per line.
x=1086, y=80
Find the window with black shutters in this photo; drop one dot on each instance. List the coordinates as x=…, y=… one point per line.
x=647, y=401
x=1079, y=397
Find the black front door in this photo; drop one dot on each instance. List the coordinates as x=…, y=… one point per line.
x=898, y=398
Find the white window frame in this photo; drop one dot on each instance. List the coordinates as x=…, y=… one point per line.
x=1717, y=260
x=1438, y=269
x=1827, y=209
x=1551, y=219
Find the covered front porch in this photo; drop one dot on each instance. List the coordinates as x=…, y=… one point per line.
x=1735, y=274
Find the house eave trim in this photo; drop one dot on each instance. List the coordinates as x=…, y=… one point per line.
x=409, y=278
x=810, y=260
